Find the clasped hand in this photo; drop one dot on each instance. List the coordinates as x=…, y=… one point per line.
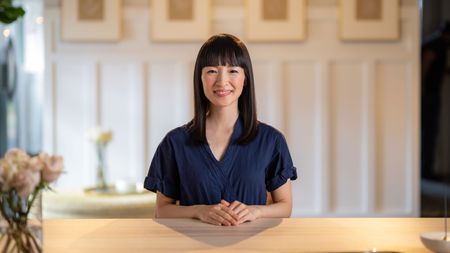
x=228, y=214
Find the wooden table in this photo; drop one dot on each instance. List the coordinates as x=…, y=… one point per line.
x=264, y=235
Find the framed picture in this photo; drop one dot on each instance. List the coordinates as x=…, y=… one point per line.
x=91, y=20
x=275, y=20
x=369, y=20
x=180, y=20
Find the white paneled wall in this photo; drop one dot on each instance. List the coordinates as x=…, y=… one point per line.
x=120, y=103
x=346, y=137
x=74, y=87
x=349, y=110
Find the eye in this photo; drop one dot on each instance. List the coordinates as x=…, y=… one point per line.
x=211, y=71
x=234, y=71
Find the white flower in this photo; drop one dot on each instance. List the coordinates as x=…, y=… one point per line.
x=99, y=136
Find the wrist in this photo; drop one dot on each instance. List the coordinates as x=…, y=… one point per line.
x=196, y=209
x=257, y=212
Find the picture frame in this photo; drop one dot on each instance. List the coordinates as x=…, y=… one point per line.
x=180, y=20
x=365, y=20
x=91, y=20
x=275, y=20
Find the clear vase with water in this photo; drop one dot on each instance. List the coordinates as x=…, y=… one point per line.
x=101, y=183
x=21, y=222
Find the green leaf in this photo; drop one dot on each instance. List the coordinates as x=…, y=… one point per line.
x=8, y=13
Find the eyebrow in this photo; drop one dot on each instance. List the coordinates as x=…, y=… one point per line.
x=231, y=66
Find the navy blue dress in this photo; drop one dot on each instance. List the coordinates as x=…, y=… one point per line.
x=187, y=171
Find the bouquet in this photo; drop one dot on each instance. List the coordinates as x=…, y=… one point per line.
x=22, y=178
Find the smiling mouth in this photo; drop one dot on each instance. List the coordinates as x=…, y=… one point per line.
x=222, y=93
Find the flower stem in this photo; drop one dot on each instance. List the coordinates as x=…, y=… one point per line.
x=15, y=211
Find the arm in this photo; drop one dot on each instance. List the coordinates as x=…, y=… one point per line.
x=167, y=208
x=280, y=208
x=218, y=214
x=282, y=203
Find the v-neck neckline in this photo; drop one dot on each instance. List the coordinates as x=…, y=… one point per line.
x=213, y=157
x=230, y=147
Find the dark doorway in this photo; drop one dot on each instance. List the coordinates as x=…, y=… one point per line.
x=435, y=106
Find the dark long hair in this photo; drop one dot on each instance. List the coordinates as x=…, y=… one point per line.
x=221, y=50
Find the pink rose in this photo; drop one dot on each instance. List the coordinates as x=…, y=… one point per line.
x=36, y=164
x=16, y=160
x=17, y=156
x=25, y=181
x=53, y=167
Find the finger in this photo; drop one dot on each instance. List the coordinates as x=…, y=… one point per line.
x=227, y=216
x=234, y=205
x=213, y=221
x=219, y=219
x=222, y=207
x=244, y=218
x=237, y=207
x=230, y=212
x=224, y=202
x=230, y=216
x=242, y=212
x=207, y=218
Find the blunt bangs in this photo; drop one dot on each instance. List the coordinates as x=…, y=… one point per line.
x=222, y=51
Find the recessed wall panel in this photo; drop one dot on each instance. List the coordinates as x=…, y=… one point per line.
x=346, y=136
x=169, y=99
x=121, y=112
x=269, y=86
x=74, y=114
x=391, y=137
x=301, y=134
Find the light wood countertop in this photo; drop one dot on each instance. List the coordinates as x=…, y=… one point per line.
x=264, y=235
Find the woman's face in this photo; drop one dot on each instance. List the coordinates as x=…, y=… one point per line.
x=223, y=85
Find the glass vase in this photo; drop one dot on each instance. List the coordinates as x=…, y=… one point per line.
x=101, y=183
x=21, y=223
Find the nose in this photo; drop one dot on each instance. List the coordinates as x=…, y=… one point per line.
x=222, y=78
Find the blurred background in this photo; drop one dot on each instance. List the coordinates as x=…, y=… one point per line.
x=345, y=91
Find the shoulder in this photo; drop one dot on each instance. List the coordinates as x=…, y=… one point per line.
x=176, y=138
x=272, y=138
x=264, y=128
x=179, y=134
x=268, y=132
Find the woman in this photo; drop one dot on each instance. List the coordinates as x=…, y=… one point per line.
x=221, y=165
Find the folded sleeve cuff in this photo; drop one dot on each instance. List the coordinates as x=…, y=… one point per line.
x=155, y=184
x=281, y=179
